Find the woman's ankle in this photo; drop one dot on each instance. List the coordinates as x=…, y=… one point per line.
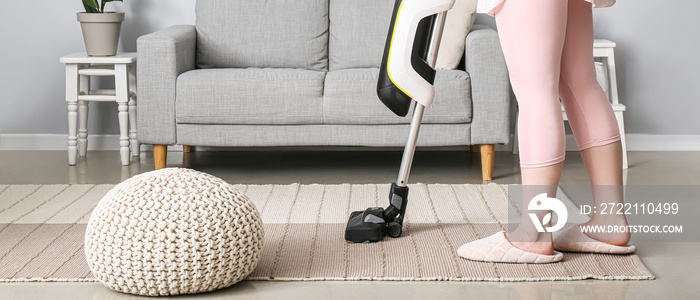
x=535, y=242
x=613, y=230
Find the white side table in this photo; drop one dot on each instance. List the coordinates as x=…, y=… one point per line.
x=605, y=51
x=79, y=68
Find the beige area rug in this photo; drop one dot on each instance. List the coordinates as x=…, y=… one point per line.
x=42, y=227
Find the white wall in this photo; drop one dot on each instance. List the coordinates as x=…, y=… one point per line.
x=34, y=34
x=657, y=60
x=658, y=48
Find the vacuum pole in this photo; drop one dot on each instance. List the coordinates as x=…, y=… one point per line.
x=407, y=75
x=410, y=148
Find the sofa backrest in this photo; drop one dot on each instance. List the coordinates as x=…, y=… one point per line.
x=358, y=32
x=262, y=34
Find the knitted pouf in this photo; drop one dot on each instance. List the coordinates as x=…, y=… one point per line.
x=173, y=231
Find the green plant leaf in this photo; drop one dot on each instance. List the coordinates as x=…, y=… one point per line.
x=89, y=9
x=102, y=9
x=91, y=4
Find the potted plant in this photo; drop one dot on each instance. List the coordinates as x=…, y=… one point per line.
x=100, y=29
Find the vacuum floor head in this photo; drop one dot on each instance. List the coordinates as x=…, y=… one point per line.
x=406, y=74
x=366, y=226
x=374, y=223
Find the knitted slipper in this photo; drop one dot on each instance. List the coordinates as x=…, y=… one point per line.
x=573, y=240
x=497, y=248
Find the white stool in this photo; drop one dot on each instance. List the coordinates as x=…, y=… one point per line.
x=604, y=50
x=79, y=68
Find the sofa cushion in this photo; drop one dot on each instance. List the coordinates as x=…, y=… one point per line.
x=458, y=23
x=358, y=31
x=350, y=98
x=262, y=34
x=250, y=96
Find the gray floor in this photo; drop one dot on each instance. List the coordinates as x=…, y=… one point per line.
x=674, y=264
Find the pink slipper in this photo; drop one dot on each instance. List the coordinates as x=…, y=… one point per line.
x=497, y=248
x=573, y=240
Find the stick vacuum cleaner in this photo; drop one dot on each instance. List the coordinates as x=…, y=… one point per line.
x=407, y=73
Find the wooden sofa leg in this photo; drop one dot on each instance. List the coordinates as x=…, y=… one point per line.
x=160, y=155
x=487, y=153
x=187, y=149
x=474, y=148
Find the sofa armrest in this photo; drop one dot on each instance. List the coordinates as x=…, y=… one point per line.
x=490, y=83
x=162, y=57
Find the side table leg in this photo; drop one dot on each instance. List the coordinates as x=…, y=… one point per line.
x=83, y=111
x=623, y=138
x=82, y=127
x=515, y=135
x=133, y=141
x=133, y=136
x=124, y=151
x=121, y=86
x=72, y=132
x=72, y=92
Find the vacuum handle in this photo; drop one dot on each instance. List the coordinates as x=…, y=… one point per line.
x=407, y=71
x=421, y=48
x=410, y=148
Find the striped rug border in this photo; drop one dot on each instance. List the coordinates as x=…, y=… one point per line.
x=285, y=206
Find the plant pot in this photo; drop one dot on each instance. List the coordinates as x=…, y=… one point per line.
x=101, y=32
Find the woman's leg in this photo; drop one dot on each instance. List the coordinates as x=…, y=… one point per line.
x=592, y=119
x=532, y=38
x=604, y=164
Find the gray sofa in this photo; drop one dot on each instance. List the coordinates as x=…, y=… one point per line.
x=304, y=73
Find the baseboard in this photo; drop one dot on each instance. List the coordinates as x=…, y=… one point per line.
x=58, y=142
x=51, y=142
x=652, y=142
x=55, y=142
x=663, y=142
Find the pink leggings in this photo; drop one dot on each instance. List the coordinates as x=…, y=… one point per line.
x=548, y=47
